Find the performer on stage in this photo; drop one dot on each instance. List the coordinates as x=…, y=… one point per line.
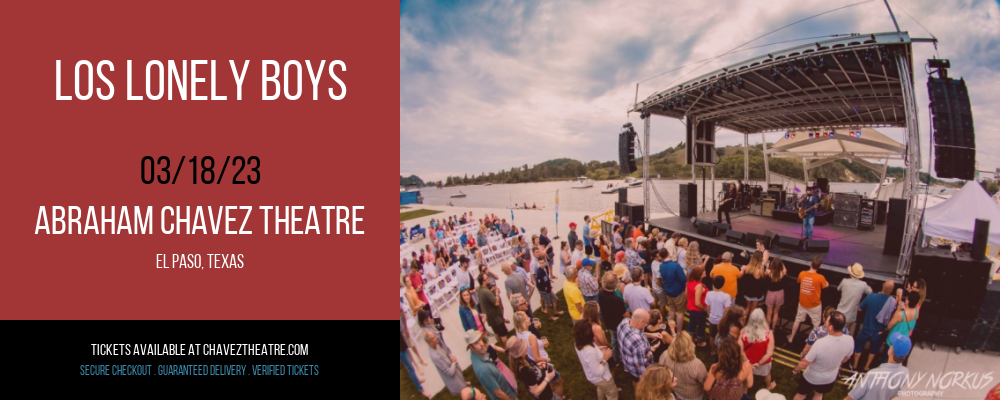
x=727, y=204
x=807, y=201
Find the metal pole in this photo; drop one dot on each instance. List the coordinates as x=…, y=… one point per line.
x=805, y=171
x=767, y=169
x=890, y=14
x=645, y=168
x=912, y=161
x=713, y=188
x=704, y=204
x=885, y=168
x=746, y=158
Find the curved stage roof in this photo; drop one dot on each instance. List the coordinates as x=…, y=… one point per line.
x=847, y=82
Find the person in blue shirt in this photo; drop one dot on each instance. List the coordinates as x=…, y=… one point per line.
x=872, y=330
x=807, y=201
x=674, y=284
x=586, y=232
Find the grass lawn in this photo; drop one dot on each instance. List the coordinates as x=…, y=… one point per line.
x=403, y=216
x=576, y=386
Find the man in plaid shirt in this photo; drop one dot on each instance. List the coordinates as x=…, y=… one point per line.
x=633, y=345
x=632, y=259
x=587, y=281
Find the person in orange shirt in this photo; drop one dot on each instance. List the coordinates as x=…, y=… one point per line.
x=637, y=233
x=811, y=283
x=730, y=272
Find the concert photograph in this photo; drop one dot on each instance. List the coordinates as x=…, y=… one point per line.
x=685, y=200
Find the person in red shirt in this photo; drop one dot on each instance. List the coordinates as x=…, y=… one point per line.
x=811, y=283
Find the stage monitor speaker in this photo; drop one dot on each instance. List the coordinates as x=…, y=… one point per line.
x=979, y=237
x=622, y=196
x=767, y=208
x=789, y=242
x=750, y=239
x=689, y=200
x=770, y=239
x=705, y=228
x=881, y=211
x=719, y=228
x=735, y=237
x=895, y=224
x=847, y=219
x=817, y=246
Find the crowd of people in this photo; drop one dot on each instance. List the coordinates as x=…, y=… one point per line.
x=627, y=301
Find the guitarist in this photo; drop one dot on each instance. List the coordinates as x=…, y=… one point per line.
x=727, y=204
x=808, y=201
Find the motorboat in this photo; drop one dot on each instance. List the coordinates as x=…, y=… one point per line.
x=632, y=182
x=583, y=183
x=458, y=196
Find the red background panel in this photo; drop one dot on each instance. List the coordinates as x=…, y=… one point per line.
x=88, y=153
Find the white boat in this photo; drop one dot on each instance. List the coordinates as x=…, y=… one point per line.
x=583, y=183
x=632, y=182
x=488, y=184
x=457, y=196
x=614, y=188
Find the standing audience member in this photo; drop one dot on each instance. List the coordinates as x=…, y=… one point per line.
x=595, y=361
x=549, y=299
x=887, y=380
x=471, y=320
x=404, y=357
x=905, y=318
x=811, y=283
x=516, y=284
x=487, y=369
x=761, y=248
x=687, y=368
x=519, y=304
x=732, y=323
x=775, y=291
x=572, y=237
x=696, y=293
x=632, y=260
x=637, y=296
x=536, y=346
x=717, y=302
x=824, y=359
x=586, y=281
x=674, y=284
x=612, y=307
x=574, y=297
x=591, y=313
x=446, y=363
x=587, y=240
x=754, y=282
x=820, y=331
x=546, y=244
x=491, y=306
x=632, y=344
x=565, y=257
x=757, y=342
x=654, y=331
x=732, y=274
x=871, y=328
x=646, y=254
x=671, y=245
x=851, y=292
x=729, y=378
x=542, y=381
x=657, y=383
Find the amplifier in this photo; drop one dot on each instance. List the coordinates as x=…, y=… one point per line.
x=846, y=202
x=767, y=208
x=867, y=217
x=847, y=219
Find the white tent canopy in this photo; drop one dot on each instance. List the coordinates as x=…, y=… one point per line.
x=818, y=147
x=955, y=218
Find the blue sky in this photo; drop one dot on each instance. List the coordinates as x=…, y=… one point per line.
x=486, y=86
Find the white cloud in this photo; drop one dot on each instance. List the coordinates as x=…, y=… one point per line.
x=489, y=86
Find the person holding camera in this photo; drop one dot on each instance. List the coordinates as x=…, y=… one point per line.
x=540, y=378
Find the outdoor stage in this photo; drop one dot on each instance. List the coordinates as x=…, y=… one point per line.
x=847, y=245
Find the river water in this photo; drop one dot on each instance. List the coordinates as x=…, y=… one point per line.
x=584, y=200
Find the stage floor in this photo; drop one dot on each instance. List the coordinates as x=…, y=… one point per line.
x=847, y=245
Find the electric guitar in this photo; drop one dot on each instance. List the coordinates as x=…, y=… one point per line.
x=803, y=210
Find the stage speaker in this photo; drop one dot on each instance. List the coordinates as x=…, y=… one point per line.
x=636, y=213
x=750, y=239
x=817, y=246
x=622, y=196
x=953, y=332
x=618, y=209
x=846, y=202
x=990, y=311
x=735, y=237
x=956, y=284
x=770, y=239
x=700, y=146
x=719, y=228
x=955, y=162
x=789, y=242
x=847, y=219
x=978, y=336
x=881, y=211
x=626, y=149
x=954, y=134
x=895, y=225
x=767, y=208
x=823, y=184
x=689, y=200
x=705, y=228
x=979, y=237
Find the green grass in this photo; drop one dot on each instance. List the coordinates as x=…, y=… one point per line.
x=403, y=207
x=576, y=386
x=416, y=214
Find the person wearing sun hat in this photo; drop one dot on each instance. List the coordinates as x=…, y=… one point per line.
x=885, y=382
x=851, y=292
x=489, y=375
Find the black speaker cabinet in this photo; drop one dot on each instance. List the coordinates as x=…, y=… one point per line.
x=881, y=211
x=978, y=336
x=789, y=242
x=623, y=195
x=719, y=228
x=770, y=239
x=735, y=236
x=750, y=239
x=846, y=202
x=705, y=228
x=866, y=220
x=818, y=246
x=895, y=225
x=955, y=284
x=689, y=200
x=847, y=219
x=953, y=332
x=636, y=213
x=979, y=237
